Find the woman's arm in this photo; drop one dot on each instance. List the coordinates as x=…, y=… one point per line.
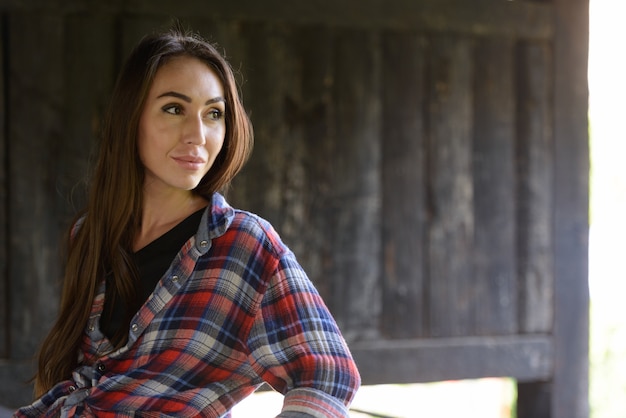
x=297, y=348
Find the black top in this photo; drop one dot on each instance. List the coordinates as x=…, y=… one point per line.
x=151, y=263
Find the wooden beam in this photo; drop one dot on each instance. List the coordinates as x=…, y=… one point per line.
x=481, y=17
x=525, y=358
x=4, y=278
x=571, y=200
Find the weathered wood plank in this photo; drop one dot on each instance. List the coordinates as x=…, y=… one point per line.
x=571, y=219
x=90, y=74
x=404, y=186
x=314, y=114
x=534, y=155
x=356, y=134
x=509, y=18
x=525, y=358
x=274, y=94
x=494, y=257
x=36, y=75
x=4, y=199
x=14, y=391
x=450, y=195
x=272, y=182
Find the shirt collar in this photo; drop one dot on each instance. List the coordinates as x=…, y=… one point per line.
x=217, y=217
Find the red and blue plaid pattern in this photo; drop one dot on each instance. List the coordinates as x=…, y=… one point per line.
x=234, y=310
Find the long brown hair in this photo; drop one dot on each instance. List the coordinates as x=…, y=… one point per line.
x=102, y=243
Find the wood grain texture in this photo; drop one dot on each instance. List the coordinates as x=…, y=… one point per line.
x=272, y=86
x=450, y=189
x=357, y=172
x=313, y=114
x=404, y=186
x=493, y=172
x=535, y=170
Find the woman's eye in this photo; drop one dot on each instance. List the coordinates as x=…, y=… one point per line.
x=172, y=109
x=215, y=114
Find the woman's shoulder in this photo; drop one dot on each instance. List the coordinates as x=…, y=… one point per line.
x=248, y=227
x=258, y=227
x=226, y=217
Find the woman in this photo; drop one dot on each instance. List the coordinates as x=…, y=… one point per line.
x=174, y=303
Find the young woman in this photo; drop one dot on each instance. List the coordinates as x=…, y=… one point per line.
x=174, y=303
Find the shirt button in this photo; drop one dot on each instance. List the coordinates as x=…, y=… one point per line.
x=134, y=327
x=101, y=367
x=72, y=388
x=174, y=279
x=92, y=328
x=204, y=243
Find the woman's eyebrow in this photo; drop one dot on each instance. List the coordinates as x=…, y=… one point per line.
x=188, y=99
x=177, y=95
x=215, y=100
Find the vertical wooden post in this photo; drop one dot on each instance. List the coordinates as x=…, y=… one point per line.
x=571, y=223
x=533, y=400
x=4, y=293
x=567, y=394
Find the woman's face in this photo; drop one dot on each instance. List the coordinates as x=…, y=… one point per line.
x=182, y=126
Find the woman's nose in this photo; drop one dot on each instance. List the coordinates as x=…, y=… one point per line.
x=193, y=132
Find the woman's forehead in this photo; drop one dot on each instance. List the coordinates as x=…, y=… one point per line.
x=188, y=74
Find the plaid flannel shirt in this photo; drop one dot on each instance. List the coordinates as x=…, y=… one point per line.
x=234, y=310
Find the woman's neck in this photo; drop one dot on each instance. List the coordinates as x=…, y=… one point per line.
x=162, y=212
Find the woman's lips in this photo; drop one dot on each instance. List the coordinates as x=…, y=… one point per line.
x=190, y=162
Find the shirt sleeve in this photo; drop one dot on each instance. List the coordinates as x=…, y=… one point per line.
x=297, y=348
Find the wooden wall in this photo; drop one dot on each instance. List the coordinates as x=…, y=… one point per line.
x=426, y=161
